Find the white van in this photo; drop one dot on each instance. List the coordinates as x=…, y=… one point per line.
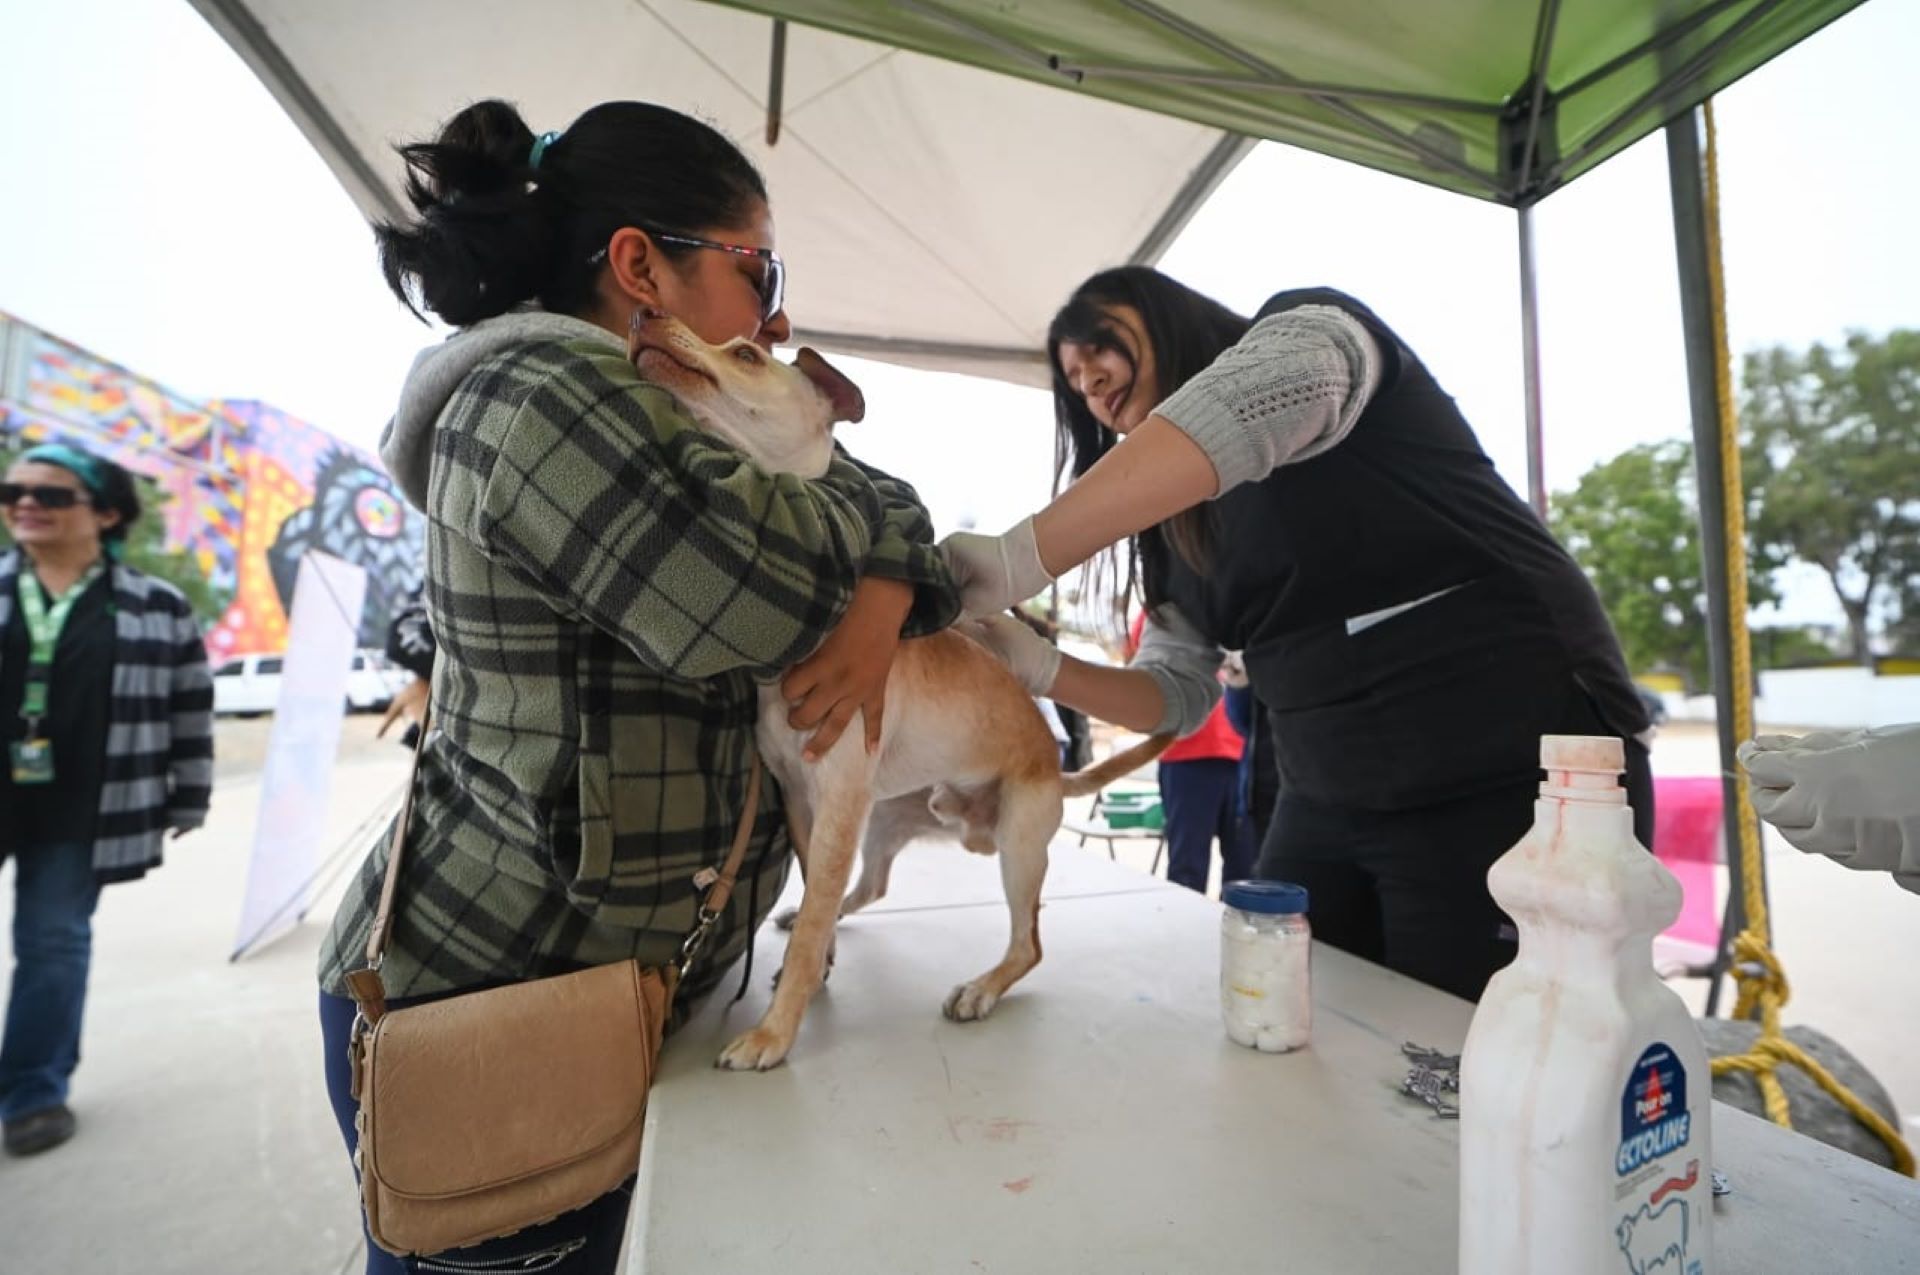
x=248, y=685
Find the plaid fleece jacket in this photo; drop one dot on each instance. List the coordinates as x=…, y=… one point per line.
x=159, y=766
x=606, y=581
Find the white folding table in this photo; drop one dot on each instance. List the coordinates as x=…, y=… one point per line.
x=1100, y=1120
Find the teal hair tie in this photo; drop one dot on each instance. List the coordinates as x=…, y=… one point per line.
x=82, y=466
x=540, y=145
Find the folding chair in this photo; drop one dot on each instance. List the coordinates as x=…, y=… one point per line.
x=1124, y=814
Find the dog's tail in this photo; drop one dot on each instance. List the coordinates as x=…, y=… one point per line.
x=1080, y=783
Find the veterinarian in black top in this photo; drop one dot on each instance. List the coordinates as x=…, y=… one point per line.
x=1305, y=492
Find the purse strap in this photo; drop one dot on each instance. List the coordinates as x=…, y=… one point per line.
x=383, y=918
x=368, y=989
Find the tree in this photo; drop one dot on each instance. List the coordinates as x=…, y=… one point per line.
x=1633, y=524
x=1837, y=432
x=1902, y=632
x=1788, y=646
x=1903, y=635
x=147, y=550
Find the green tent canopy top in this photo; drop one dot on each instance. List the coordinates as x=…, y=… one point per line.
x=1504, y=100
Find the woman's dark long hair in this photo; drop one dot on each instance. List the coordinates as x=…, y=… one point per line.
x=495, y=230
x=1187, y=332
x=118, y=493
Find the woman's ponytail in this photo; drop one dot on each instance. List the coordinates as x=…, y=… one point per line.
x=483, y=242
x=505, y=217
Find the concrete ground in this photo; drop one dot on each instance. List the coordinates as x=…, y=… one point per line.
x=207, y=1145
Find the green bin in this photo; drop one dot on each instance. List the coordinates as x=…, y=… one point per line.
x=1140, y=810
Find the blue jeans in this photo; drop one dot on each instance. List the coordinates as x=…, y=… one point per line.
x=1201, y=799
x=583, y=1242
x=53, y=897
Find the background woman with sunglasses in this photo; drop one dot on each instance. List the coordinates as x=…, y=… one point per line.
x=106, y=706
x=1300, y=488
x=605, y=581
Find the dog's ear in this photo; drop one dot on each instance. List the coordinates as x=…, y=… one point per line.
x=848, y=403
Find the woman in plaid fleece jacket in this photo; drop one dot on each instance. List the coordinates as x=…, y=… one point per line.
x=605, y=580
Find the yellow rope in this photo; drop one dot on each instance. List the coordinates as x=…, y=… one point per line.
x=1757, y=971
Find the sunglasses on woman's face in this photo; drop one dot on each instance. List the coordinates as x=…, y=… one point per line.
x=772, y=283
x=48, y=497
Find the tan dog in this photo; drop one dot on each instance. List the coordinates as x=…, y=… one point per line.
x=963, y=749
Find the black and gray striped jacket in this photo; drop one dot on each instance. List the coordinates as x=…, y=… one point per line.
x=159, y=766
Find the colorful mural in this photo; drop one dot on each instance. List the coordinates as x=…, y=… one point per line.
x=308, y=490
x=251, y=488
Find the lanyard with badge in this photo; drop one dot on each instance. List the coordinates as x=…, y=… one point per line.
x=33, y=756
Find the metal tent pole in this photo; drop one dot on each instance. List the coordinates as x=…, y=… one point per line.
x=1684, y=167
x=1530, y=350
x=777, y=81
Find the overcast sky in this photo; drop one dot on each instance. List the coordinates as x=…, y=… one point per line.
x=161, y=210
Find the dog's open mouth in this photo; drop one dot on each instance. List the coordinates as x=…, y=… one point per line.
x=672, y=356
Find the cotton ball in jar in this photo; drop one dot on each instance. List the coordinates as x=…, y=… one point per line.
x=1265, y=980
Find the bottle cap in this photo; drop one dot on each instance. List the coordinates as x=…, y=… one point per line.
x=1596, y=754
x=1270, y=897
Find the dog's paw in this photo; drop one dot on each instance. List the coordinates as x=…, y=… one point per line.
x=785, y=918
x=968, y=1003
x=757, y=1050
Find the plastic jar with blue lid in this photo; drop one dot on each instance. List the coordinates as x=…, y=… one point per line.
x=1266, y=989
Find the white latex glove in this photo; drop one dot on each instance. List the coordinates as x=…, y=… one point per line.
x=1853, y=796
x=1033, y=660
x=995, y=572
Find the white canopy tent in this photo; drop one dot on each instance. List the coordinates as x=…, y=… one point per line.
x=895, y=254
x=935, y=206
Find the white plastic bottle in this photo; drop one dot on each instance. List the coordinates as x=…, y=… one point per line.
x=1585, y=1099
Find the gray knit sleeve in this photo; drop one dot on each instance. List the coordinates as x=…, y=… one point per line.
x=1184, y=665
x=1290, y=389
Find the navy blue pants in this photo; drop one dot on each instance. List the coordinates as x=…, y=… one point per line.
x=1201, y=800
x=583, y=1242
x=54, y=893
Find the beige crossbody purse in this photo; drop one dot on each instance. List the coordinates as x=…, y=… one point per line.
x=485, y=1113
